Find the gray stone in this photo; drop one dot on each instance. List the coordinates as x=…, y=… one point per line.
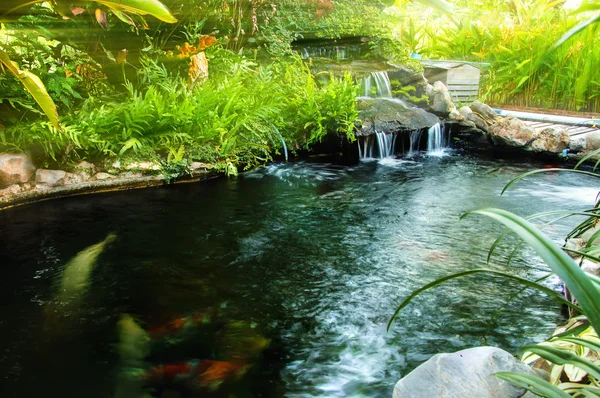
x=103, y=176
x=575, y=244
x=512, y=132
x=15, y=169
x=392, y=116
x=440, y=101
x=593, y=141
x=76, y=178
x=484, y=111
x=577, y=144
x=409, y=77
x=86, y=166
x=50, y=178
x=463, y=374
x=551, y=139
x=199, y=165
x=144, y=166
x=591, y=267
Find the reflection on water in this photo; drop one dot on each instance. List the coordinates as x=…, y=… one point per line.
x=277, y=283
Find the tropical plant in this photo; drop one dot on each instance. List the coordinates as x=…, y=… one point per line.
x=123, y=9
x=571, y=354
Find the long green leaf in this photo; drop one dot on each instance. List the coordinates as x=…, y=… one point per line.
x=562, y=357
x=586, y=343
x=511, y=182
x=578, y=283
x=576, y=29
x=588, y=156
x=35, y=87
x=140, y=7
x=444, y=279
x=534, y=384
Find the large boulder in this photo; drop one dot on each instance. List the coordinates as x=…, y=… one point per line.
x=392, y=116
x=464, y=374
x=467, y=113
x=440, y=101
x=593, y=141
x=15, y=169
x=511, y=132
x=577, y=144
x=50, y=178
x=484, y=111
x=551, y=139
x=410, y=78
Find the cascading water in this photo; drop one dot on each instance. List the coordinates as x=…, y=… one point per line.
x=382, y=82
x=415, y=139
x=436, y=141
x=380, y=145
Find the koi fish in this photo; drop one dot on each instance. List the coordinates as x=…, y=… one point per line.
x=204, y=373
x=76, y=275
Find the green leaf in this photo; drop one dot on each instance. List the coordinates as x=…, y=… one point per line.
x=534, y=384
x=511, y=182
x=593, y=345
x=576, y=29
x=577, y=281
x=35, y=87
x=441, y=280
x=562, y=357
x=140, y=7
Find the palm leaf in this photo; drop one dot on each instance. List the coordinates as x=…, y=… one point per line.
x=562, y=357
x=444, y=279
x=577, y=281
x=140, y=7
x=35, y=87
x=534, y=384
x=511, y=182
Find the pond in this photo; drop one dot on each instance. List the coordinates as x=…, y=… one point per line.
x=276, y=283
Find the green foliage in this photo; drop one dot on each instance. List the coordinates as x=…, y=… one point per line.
x=519, y=41
x=227, y=120
x=572, y=353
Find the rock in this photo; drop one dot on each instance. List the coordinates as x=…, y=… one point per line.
x=591, y=267
x=484, y=111
x=144, y=166
x=130, y=175
x=463, y=374
x=593, y=141
x=575, y=244
x=86, y=166
x=440, y=101
x=577, y=144
x=551, y=139
x=50, y=178
x=76, y=178
x=392, y=116
x=15, y=169
x=116, y=164
x=470, y=116
x=103, y=176
x=199, y=165
x=512, y=132
x=410, y=78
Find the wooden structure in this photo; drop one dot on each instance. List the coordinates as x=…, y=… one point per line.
x=461, y=78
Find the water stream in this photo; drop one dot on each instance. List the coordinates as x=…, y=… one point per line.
x=289, y=273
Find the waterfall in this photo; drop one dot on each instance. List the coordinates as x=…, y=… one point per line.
x=415, y=139
x=380, y=144
x=436, y=141
x=382, y=82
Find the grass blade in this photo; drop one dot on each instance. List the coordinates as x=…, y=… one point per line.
x=534, y=384
x=577, y=281
x=562, y=357
x=511, y=182
x=444, y=279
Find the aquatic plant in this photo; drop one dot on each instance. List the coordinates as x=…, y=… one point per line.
x=571, y=353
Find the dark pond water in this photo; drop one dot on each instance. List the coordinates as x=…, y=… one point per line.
x=276, y=283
